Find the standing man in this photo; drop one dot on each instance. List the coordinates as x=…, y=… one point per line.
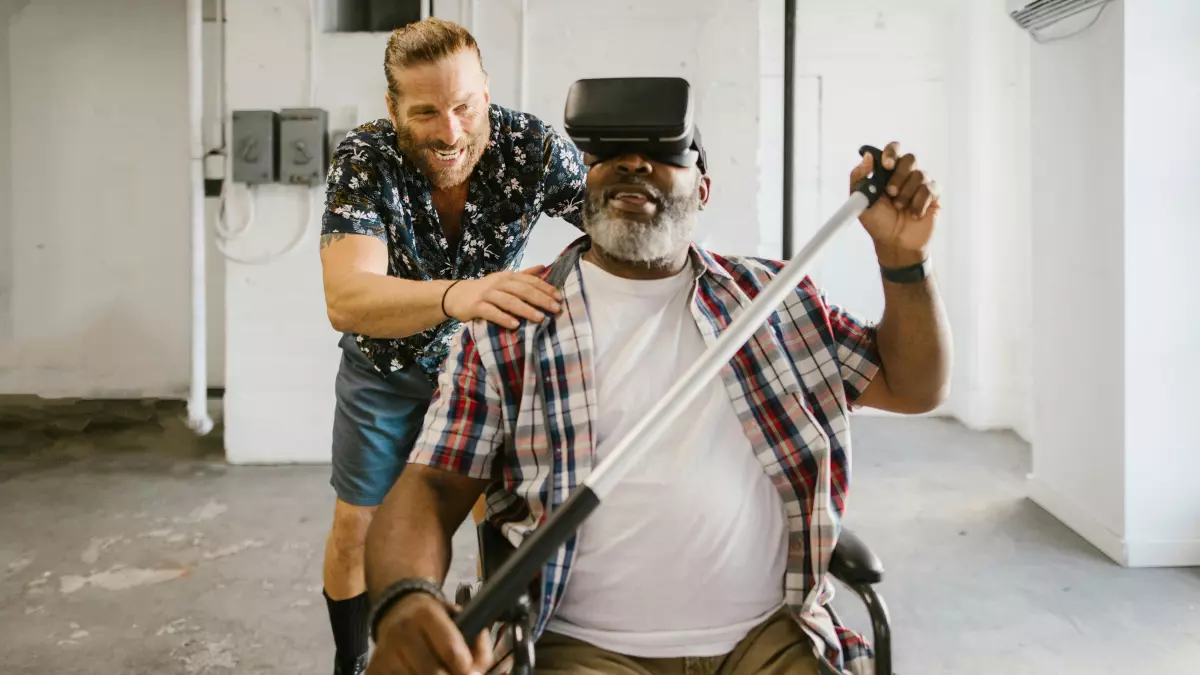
x=428, y=212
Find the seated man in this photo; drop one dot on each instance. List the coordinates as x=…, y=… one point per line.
x=711, y=555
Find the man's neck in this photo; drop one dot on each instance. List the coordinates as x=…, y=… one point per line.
x=453, y=195
x=633, y=270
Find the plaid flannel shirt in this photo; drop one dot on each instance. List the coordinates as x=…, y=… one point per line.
x=792, y=386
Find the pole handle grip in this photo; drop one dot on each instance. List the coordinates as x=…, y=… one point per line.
x=872, y=187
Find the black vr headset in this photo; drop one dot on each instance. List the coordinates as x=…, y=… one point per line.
x=650, y=116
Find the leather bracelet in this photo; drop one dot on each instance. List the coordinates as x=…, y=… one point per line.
x=909, y=274
x=396, y=592
x=444, y=294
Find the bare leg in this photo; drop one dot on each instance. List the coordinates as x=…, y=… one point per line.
x=344, y=576
x=346, y=586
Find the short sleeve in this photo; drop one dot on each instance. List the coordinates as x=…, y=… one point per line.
x=857, y=351
x=354, y=198
x=463, y=431
x=563, y=178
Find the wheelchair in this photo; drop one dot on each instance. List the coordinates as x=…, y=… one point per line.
x=853, y=564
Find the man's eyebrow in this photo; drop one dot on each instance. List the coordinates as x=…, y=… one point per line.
x=421, y=108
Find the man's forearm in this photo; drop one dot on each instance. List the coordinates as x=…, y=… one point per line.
x=412, y=532
x=381, y=306
x=914, y=337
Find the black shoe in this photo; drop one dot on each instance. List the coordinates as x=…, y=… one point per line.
x=355, y=667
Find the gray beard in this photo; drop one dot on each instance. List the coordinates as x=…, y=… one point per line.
x=655, y=244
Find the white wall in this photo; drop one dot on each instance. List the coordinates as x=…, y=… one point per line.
x=282, y=354
x=947, y=80
x=1162, y=308
x=1115, y=451
x=99, y=205
x=1078, y=271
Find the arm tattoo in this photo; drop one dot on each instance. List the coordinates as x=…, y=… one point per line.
x=327, y=239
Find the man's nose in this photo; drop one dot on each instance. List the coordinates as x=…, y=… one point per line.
x=449, y=130
x=633, y=163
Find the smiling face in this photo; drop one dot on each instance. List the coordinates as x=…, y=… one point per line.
x=642, y=211
x=441, y=116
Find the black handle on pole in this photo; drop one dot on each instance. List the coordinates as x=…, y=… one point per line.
x=500, y=593
x=872, y=186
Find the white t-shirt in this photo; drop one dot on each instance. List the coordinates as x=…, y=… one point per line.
x=688, y=552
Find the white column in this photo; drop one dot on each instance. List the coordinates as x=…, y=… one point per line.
x=1162, y=300
x=1114, y=116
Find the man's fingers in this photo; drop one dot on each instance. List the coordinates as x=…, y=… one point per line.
x=904, y=196
x=495, y=315
x=536, y=269
x=446, y=642
x=483, y=653
x=862, y=170
x=891, y=153
x=920, y=202
x=515, y=306
x=540, y=296
x=904, y=166
x=541, y=285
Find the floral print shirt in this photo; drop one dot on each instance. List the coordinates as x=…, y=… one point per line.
x=526, y=170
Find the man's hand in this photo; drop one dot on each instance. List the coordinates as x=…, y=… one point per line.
x=901, y=221
x=503, y=297
x=418, y=637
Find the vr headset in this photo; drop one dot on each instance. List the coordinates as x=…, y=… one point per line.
x=650, y=116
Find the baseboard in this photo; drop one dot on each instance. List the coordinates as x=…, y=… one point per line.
x=1078, y=519
x=1183, y=553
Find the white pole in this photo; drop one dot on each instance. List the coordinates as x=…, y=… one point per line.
x=642, y=436
x=197, y=406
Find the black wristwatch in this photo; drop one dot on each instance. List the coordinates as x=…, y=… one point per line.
x=909, y=274
x=394, y=593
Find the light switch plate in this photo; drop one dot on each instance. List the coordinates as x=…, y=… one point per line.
x=303, y=145
x=255, y=137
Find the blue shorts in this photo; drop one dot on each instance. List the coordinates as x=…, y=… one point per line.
x=375, y=425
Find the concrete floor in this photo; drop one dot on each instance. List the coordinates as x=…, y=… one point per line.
x=128, y=547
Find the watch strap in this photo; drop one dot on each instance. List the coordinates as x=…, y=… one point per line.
x=909, y=274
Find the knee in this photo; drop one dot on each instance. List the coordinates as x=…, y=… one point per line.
x=350, y=524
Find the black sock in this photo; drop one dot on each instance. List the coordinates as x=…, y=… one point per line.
x=351, y=634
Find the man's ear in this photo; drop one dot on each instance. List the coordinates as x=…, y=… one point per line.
x=705, y=188
x=390, y=106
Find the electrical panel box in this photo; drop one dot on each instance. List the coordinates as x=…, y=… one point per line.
x=303, y=146
x=255, y=146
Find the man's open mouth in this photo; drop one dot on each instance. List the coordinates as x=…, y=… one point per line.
x=631, y=197
x=447, y=156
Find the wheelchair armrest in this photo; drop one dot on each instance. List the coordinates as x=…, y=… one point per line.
x=494, y=548
x=853, y=562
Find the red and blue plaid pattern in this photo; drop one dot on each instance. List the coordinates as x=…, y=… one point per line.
x=792, y=385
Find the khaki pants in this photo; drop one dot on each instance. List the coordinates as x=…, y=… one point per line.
x=777, y=647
